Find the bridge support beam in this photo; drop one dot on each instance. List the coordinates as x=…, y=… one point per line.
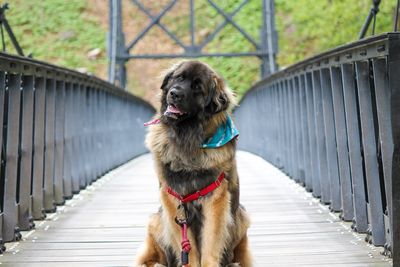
x=116, y=46
x=269, y=39
x=119, y=53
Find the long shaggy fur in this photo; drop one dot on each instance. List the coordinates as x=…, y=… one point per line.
x=218, y=223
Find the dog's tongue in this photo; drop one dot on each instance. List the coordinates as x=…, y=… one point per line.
x=173, y=110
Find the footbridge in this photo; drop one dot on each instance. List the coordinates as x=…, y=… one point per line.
x=319, y=161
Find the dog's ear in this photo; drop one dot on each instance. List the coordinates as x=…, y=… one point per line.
x=219, y=98
x=166, y=79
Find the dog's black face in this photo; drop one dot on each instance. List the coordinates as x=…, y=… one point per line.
x=192, y=91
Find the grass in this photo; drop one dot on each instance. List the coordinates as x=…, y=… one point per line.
x=62, y=32
x=57, y=31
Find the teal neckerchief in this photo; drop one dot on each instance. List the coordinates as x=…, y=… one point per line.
x=224, y=133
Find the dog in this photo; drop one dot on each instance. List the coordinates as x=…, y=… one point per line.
x=195, y=106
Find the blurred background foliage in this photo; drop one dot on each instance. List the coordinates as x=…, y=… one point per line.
x=73, y=34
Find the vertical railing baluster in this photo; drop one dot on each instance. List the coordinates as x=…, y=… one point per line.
x=370, y=155
x=80, y=129
x=280, y=125
x=92, y=135
x=316, y=184
x=299, y=127
x=103, y=128
x=266, y=91
x=275, y=119
x=49, y=147
x=283, y=121
x=393, y=63
x=86, y=135
x=298, y=133
x=383, y=93
x=75, y=156
x=290, y=128
x=354, y=145
x=10, y=208
x=330, y=139
x=2, y=146
x=321, y=142
x=68, y=143
x=25, y=219
x=38, y=156
x=305, y=134
x=342, y=145
x=96, y=131
x=293, y=130
x=59, y=143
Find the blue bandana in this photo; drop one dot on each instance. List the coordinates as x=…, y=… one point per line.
x=225, y=133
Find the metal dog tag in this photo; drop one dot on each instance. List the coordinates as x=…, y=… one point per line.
x=181, y=214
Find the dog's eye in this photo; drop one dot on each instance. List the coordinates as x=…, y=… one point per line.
x=197, y=88
x=179, y=78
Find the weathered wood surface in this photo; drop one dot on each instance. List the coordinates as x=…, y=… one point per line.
x=105, y=224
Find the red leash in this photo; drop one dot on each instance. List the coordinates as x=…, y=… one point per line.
x=181, y=218
x=185, y=246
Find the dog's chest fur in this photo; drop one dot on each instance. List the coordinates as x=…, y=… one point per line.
x=184, y=165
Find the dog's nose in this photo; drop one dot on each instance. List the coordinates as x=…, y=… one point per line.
x=176, y=94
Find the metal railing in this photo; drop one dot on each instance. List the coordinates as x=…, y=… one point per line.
x=60, y=131
x=332, y=123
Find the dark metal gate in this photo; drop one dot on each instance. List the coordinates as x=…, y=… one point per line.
x=119, y=52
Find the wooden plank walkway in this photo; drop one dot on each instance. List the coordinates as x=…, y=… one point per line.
x=105, y=224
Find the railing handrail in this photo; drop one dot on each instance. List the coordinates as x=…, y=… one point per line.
x=331, y=55
x=17, y=64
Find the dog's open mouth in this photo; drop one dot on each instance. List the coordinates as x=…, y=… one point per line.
x=173, y=112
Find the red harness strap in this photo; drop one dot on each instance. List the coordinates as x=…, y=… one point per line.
x=189, y=198
x=203, y=192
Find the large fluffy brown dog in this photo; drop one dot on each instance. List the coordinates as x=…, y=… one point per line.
x=195, y=103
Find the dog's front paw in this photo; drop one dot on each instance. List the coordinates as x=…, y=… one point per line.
x=159, y=265
x=236, y=264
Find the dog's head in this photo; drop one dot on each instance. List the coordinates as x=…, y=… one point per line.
x=191, y=90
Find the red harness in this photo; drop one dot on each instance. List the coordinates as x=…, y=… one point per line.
x=189, y=198
x=203, y=192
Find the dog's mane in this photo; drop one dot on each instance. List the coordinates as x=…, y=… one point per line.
x=189, y=136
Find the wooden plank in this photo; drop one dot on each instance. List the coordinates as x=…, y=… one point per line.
x=104, y=225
